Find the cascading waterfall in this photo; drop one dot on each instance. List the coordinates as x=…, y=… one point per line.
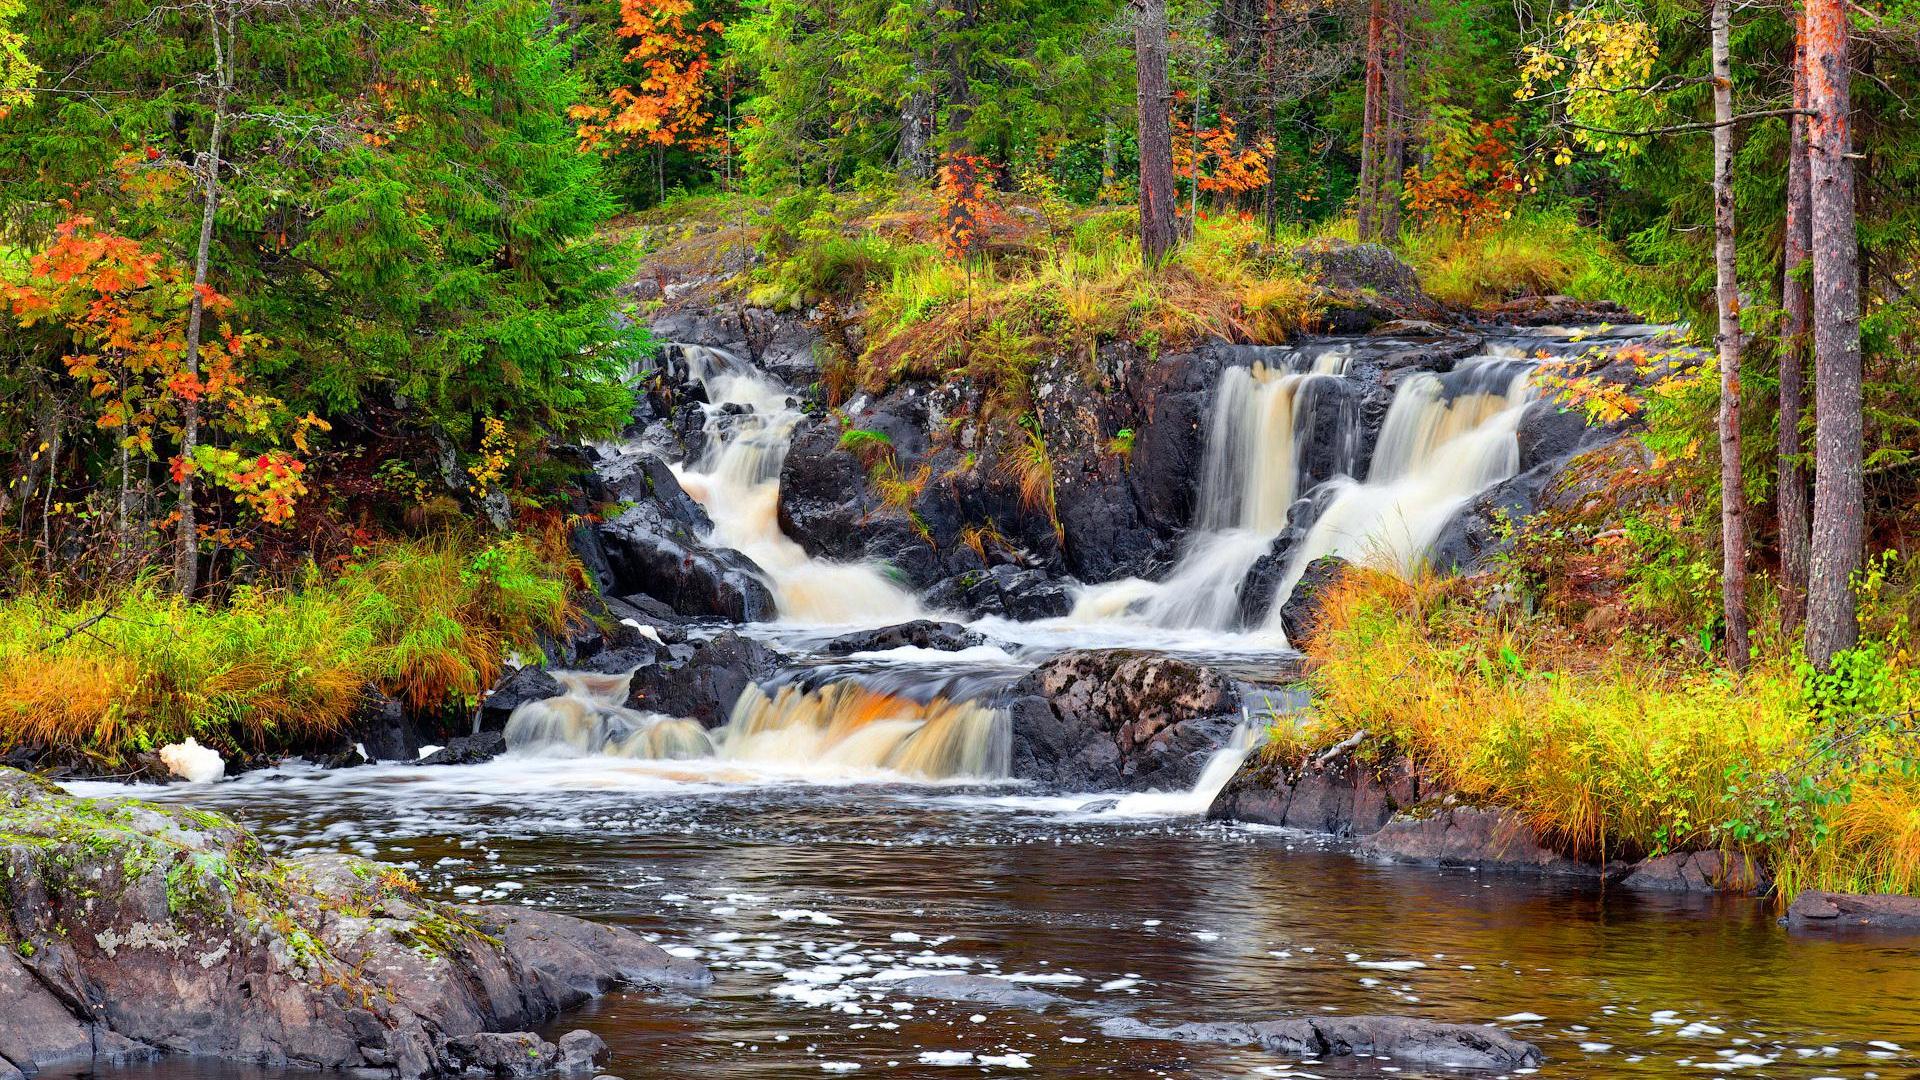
x=1446, y=438
x=1263, y=417
x=750, y=419
x=591, y=717
x=838, y=728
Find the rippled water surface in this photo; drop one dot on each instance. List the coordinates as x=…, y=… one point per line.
x=804, y=895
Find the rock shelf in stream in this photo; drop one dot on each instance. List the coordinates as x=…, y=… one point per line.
x=134, y=930
x=1404, y=1039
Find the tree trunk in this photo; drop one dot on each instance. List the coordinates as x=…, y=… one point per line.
x=1199, y=152
x=1368, y=191
x=1798, y=302
x=1838, y=487
x=916, y=136
x=1733, y=501
x=186, y=562
x=1393, y=163
x=1159, y=230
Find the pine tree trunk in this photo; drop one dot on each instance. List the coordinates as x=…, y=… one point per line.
x=1798, y=301
x=1393, y=157
x=1368, y=191
x=1159, y=230
x=1733, y=502
x=186, y=556
x=1838, y=486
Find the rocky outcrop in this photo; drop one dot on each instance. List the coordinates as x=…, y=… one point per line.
x=1476, y=837
x=977, y=989
x=1404, y=1039
x=136, y=930
x=1829, y=911
x=514, y=690
x=1006, y=591
x=1332, y=793
x=918, y=634
x=1101, y=720
x=1366, y=285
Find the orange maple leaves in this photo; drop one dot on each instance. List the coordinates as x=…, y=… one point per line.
x=1224, y=165
x=668, y=106
x=1473, y=172
x=124, y=311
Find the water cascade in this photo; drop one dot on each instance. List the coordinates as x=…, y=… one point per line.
x=750, y=419
x=591, y=717
x=1263, y=419
x=837, y=728
x=1446, y=438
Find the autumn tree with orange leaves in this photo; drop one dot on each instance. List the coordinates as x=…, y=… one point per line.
x=667, y=106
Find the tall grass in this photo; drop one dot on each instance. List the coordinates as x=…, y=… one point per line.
x=1608, y=755
x=430, y=621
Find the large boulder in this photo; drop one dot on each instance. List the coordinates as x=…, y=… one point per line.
x=138, y=929
x=1369, y=279
x=1099, y=720
x=703, y=681
x=1007, y=591
x=651, y=552
x=1404, y=1039
x=918, y=634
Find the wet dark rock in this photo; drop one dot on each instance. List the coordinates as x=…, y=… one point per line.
x=1111, y=719
x=1330, y=793
x=918, y=634
x=1873, y=912
x=977, y=989
x=1302, y=608
x=1476, y=837
x=782, y=343
x=1483, y=527
x=1550, y=432
x=706, y=681
x=1698, y=871
x=645, y=611
x=137, y=928
x=1006, y=591
x=519, y=687
x=468, y=749
x=384, y=730
x=1401, y=1038
x=652, y=553
x=647, y=478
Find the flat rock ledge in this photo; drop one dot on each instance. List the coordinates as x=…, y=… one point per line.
x=1871, y=912
x=130, y=930
x=1404, y=1039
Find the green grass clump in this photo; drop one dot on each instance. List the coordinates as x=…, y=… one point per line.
x=429, y=620
x=1537, y=252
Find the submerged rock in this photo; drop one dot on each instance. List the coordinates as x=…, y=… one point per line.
x=468, y=749
x=136, y=929
x=918, y=634
x=981, y=989
x=1096, y=720
x=1402, y=1038
x=1816, y=910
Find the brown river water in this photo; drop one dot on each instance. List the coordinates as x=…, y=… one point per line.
x=804, y=895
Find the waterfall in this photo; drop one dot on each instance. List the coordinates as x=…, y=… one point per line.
x=749, y=422
x=1262, y=422
x=838, y=728
x=1446, y=438
x=591, y=717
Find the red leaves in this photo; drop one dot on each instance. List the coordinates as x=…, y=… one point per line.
x=962, y=203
